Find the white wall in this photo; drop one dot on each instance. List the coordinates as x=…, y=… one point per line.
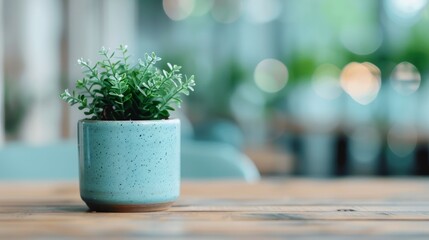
x=120, y=23
x=84, y=39
x=41, y=74
x=91, y=25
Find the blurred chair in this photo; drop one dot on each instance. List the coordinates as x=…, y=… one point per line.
x=212, y=160
x=213, y=152
x=220, y=130
x=59, y=161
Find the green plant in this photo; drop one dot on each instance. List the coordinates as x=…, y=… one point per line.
x=113, y=89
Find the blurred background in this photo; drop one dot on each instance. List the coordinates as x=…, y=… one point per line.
x=311, y=88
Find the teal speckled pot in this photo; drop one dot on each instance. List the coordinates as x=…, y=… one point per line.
x=129, y=166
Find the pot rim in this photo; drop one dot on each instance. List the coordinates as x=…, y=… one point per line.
x=160, y=121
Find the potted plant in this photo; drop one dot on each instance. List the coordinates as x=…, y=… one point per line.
x=129, y=148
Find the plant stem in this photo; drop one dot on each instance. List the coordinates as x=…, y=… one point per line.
x=112, y=68
x=170, y=97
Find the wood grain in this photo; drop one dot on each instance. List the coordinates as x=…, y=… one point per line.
x=291, y=208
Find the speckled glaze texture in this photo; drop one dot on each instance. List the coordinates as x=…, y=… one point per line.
x=129, y=163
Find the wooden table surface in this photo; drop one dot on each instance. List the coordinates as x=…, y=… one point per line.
x=289, y=208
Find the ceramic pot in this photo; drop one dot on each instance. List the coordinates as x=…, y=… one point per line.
x=129, y=166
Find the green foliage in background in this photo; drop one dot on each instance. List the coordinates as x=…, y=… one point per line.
x=113, y=89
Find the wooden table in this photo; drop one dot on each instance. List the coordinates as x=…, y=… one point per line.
x=288, y=208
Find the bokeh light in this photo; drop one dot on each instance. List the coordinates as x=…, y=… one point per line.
x=271, y=75
x=404, y=11
x=245, y=100
x=405, y=78
x=326, y=81
x=202, y=7
x=262, y=11
x=226, y=11
x=361, y=40
x=402, y=140
x=361, y=81
x=247, y=103
x=178, y=9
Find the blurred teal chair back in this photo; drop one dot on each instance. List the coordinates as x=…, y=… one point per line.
x=214, y=160
x=59, y=161
x=19, y=161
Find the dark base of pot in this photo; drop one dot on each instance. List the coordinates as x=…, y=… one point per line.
x=101, y=207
